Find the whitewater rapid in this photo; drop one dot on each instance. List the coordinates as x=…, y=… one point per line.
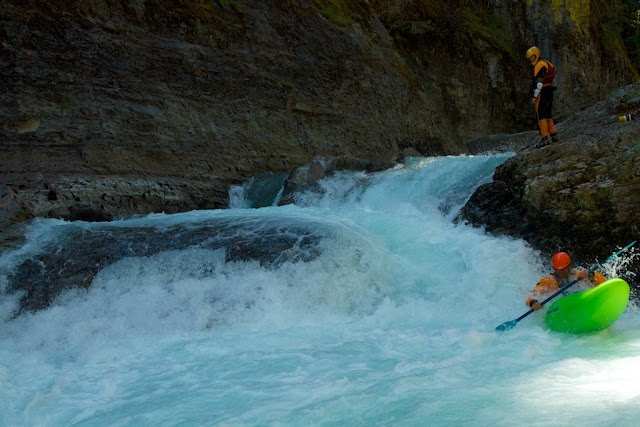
x=390, y=320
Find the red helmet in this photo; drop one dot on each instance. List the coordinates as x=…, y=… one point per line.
x=560, y=260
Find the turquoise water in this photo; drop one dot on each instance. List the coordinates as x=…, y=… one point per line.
x=392, y=323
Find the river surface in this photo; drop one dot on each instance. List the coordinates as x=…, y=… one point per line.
x=390, y=321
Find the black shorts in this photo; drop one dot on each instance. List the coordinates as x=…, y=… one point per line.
x=546, y=103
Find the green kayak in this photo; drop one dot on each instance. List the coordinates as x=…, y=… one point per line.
x=590, y=310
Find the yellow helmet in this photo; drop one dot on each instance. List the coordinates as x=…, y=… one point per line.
x=533, y=51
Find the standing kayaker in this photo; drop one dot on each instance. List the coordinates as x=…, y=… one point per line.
x=562, y=275
x=541, y=95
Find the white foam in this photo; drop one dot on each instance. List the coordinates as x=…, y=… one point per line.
x=391, y=322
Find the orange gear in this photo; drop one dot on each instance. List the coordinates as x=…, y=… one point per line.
x=549, y=284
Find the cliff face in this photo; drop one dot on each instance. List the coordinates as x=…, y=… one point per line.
x=114, y=108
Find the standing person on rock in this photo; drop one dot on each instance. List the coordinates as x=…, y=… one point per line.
x=541, y=95
x=562, y=275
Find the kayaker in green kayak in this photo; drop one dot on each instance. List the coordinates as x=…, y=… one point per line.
x=563, y=274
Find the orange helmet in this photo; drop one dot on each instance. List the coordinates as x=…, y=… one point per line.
x=560, y=260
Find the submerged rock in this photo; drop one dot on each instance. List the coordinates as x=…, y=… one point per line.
x=79, y=253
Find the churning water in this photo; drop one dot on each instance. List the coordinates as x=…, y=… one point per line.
x=387, y=318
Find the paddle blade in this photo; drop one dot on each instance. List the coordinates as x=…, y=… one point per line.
x=507, y=325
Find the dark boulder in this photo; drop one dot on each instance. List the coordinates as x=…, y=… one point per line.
x=581, y=194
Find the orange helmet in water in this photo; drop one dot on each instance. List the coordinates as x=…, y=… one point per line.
x=560, y=260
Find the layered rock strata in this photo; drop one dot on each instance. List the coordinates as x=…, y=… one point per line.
x=109, y=109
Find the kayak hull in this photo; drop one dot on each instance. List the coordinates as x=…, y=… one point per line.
x=591, y=310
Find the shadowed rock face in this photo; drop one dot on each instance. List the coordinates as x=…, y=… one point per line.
x=581, y=194
x=139, y=106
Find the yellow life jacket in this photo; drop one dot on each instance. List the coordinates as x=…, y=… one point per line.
x=548, y=76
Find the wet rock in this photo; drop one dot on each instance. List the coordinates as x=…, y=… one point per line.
x=581, y=194
x=481, y=210
x=12, y=208
x=77, y=254
x=264, y=190
x=502, y=143
x=305, y=178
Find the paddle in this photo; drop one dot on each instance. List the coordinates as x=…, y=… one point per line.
x=512, y=323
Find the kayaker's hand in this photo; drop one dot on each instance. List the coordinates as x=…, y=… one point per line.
x=597, y=278
x=536, y=306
